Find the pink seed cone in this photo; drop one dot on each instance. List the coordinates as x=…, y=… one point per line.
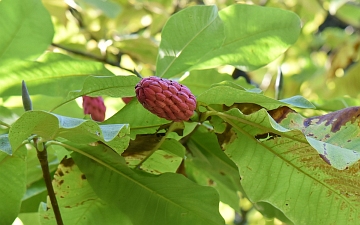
x=95, y=107
x=166, y=98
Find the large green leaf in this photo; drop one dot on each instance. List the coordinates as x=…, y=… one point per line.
x=148, y=199
x=334, y=135
x=208, y=165
x=255, y=36
x=233, y=95
x=26, y=29
x=187, y=36
x=114, y=86
x=279, y=166
x=49, y=126
x=53, y=75
x=77, y=201
x=12, y=184
x=201, y=80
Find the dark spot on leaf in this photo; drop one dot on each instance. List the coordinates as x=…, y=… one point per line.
x=67, y=162
x=266, y=136
x=325, y=159
x=60, y=172
x=67, y=206
x=222, y=173
x=335, y=119
x=307, y=122
x=210, y=182
x=281, y=113
x=61, y=182
x=168, y=156
x=83, y=176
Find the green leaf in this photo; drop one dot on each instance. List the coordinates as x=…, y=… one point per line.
x=201, y=80
x=77, y=201
x=215, y=95
x=333, y=135
x=255, y=36
x=141, y=121
x=298, y=101
x=12, y=184
x=148, y=199
x=54, y=75
x=282, y=168
x=166, y=159
x=5, y=144
x=187, y=36
x=49, y=126
x=114, y=86
x=27, y=29
x=208, y=165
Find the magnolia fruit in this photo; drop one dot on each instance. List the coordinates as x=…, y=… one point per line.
x=95, y=107
x=166, y=98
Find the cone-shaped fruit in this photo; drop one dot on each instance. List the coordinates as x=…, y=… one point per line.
x=95, y=107
x=166, y=98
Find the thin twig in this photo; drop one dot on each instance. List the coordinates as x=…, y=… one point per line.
x=2, y=123
x=42, y=156
x=91, y=56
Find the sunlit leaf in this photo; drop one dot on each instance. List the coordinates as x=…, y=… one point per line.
x=49, y=126
x=54, y=75
x=187, y=36
x=215, y=96
x=255, y=36
x=27, y=29
x=286, y=171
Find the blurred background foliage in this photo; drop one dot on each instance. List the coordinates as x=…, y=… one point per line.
x=323, y=65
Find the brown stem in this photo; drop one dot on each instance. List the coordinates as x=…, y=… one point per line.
x=42, y=156
x=91, y=56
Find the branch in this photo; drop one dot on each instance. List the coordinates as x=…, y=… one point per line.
x=91, y=56
x=42, y=156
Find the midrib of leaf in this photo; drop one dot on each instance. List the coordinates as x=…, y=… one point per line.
x=253, y=35
x=17, y=31
x=84, y=93
x=186, y=45
x=122, y=174
x=280, y=155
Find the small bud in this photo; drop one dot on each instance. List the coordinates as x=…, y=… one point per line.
x=26, y=97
